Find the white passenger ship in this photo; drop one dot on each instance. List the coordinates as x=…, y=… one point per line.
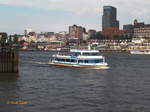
x=81, y=59
x=140, y=51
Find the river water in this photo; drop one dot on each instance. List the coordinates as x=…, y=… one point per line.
x=125, y=87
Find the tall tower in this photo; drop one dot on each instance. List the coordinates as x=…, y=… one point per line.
x=109, y=18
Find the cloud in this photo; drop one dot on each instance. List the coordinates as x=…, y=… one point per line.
x=88, y=12
x=75, y=6
x=85, y=7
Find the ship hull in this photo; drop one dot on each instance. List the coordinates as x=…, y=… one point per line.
x=140, y=52
x=103, y=66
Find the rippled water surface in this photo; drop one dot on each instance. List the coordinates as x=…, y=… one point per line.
x=125, y=87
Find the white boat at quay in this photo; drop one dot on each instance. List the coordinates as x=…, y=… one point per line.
x=140, y=51
x=90, y=59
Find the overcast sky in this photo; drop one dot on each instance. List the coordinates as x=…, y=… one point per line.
x=57, y=15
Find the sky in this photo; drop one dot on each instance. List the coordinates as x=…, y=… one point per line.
x=57, y=15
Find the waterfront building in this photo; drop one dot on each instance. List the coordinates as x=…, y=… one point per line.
x=138, y=24
x=49, y=34
x=27, y=31
x=91, y=33
x=109, y=18
x=32, y=38
x=110, y=24
x=142, y=32
x=55, y=44
x=21, y=38
x=61, y=36
x=76, y=32
x=32, y=34
x=3, y=37
x=85, y=36
x=138, y=29
x=138, y=40
x=128, y=27
x=112, y=33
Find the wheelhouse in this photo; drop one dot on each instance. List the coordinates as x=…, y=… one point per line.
x=85, y=52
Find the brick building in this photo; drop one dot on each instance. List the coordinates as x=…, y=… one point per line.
x=138, y=29
x=142, y=32
x=113, y=33
x=76, y=32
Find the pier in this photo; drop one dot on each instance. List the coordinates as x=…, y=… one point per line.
x=9, y=59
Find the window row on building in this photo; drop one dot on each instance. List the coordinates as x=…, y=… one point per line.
x=142, y=32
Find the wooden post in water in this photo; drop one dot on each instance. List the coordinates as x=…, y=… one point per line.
x=9, y=59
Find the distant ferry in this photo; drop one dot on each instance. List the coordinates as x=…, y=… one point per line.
x=80, y=59
x=140, y=51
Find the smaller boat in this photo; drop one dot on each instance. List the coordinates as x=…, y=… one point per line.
x=90, y=59
x=147, y=51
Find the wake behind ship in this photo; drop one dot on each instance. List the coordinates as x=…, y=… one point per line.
x=90, y=59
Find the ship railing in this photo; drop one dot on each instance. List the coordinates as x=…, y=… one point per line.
x=68, y=55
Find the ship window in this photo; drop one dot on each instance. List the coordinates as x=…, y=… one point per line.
x=81, y=61
x=63, y=60
x=77, y=54
x=90, y=54
x=98, y=60
x=91, y=61
x=95, y=54
x=73, y=60
x=59, y=59
x=86, y=54
x=67, y=60
x=86, y=61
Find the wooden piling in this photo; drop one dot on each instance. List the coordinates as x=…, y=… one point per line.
x=9, y=59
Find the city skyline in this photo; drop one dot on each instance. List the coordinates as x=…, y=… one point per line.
x=57, y=15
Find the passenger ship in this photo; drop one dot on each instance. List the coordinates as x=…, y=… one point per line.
x=80, y=59
x=140, y=51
